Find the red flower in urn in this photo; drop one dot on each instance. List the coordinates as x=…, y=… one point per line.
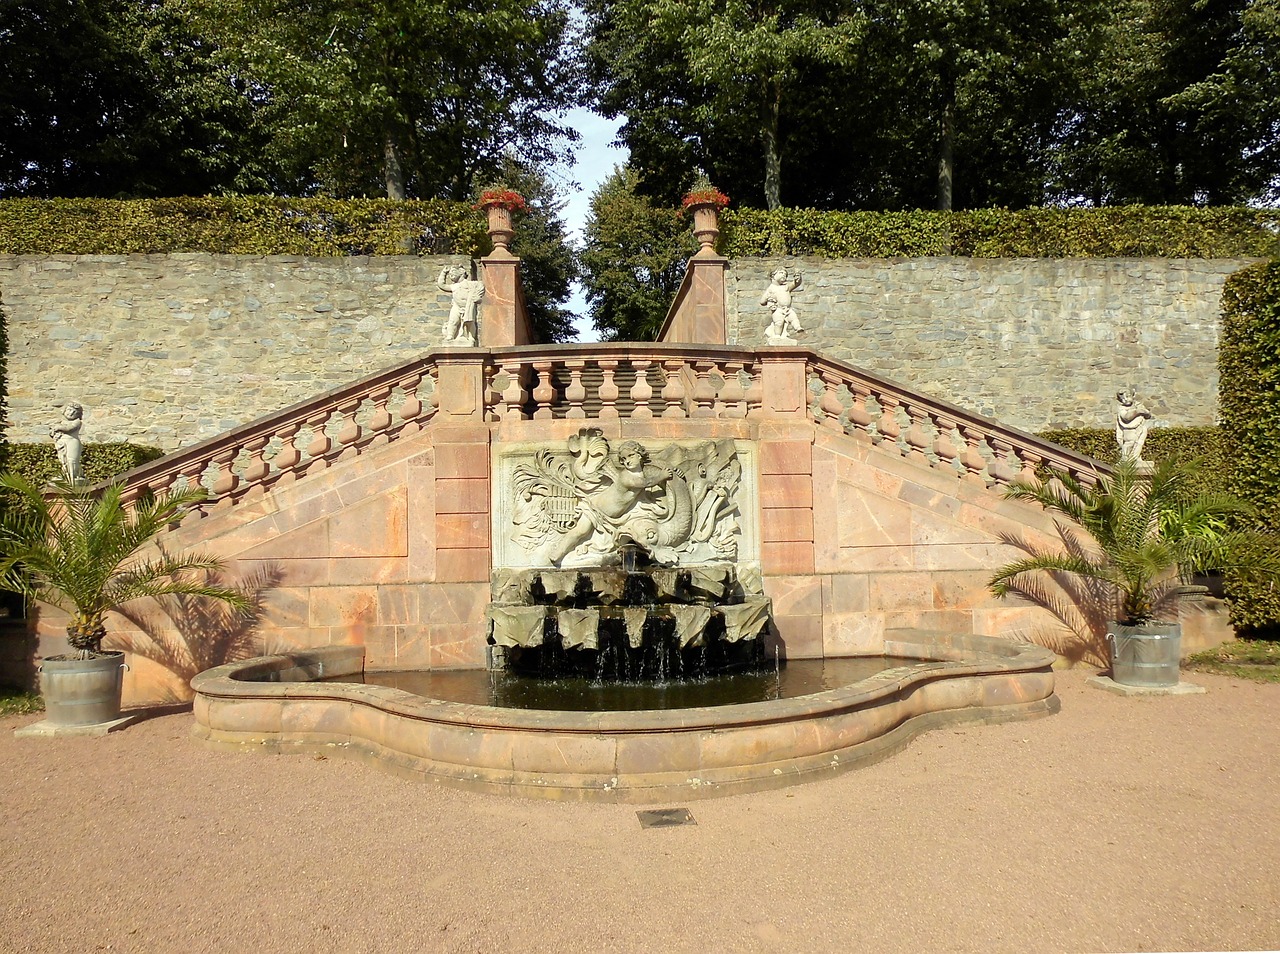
x=705, y=201
x=498, y=198
x=706, y=196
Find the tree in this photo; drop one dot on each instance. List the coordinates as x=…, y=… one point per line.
x=406, y=97
x=633, y=259
x=1182, y=105
x=722, y=72
x=118, y=98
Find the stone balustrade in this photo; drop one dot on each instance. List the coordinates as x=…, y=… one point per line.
x=932, y=431
x=603, y=382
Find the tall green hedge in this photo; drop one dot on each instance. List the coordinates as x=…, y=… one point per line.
x=242, y=225
x=1113, y=232
x=1249, y=397
x=39, y=462
x=1202, y=444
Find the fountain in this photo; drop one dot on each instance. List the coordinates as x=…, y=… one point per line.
x=617, y=566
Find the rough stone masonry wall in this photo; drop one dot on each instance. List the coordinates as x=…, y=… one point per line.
x=1034, y=343
x=171, y=349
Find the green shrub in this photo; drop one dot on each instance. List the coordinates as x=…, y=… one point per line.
x=241, y=225
x=1114, y=232
x=1249, y=397
x=1203, y=444
x=39, y=462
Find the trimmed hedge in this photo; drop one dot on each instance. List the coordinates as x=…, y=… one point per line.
x=240, y=225
x=39, y=462
x=1113, y=232
x=1249, y=396
x=1204, y=444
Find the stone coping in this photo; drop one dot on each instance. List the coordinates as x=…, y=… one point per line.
x=621, y=756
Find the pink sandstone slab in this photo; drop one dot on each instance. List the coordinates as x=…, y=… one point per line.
x=786, y=559
x=786, y=457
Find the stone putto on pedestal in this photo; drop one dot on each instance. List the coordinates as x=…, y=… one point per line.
x=784, y=322
x=460, y=326
x=66, y=439
x=1133, y=420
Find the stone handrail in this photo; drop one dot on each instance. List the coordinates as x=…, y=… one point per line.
x=607, y=381
x=305, y=438
x=929, y=429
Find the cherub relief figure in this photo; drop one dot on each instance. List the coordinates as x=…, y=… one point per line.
x=579, y=507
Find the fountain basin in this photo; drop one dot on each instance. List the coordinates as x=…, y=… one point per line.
x=272, y=704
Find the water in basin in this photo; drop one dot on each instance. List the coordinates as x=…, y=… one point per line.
x=514, y=690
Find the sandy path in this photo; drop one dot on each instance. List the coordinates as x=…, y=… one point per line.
x=1118, y=824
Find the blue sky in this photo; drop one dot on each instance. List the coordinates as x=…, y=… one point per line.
x=594, y=159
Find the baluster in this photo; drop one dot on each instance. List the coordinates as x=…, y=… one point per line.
x=515, y=393
x=704, y=392
x=287, y=459
x=411, y=409
x=131, y=494
x=642, y=390
x=321, y=443
x=943, y=447
x=673, y=389
x=1001, y=470
x=1031, y=462
x=858, y=415
x=830, y=402
x=575, y=393
x=972, y=459
x=733, y=396
x=544, y=393
x=608, y=392
x=349, y=433
x=227, y=480
x=430, y=397
x=917, y=436
x=888, y=427
x=381, y=418
x=256, y=470
x=755, y=392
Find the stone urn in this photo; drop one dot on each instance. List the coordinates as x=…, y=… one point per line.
x=501, y=231
x=706, y=225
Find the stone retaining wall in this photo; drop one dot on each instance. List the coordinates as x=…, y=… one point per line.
x=1034, y=343
x=172, y=349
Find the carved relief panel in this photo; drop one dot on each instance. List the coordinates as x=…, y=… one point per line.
x=573, y=504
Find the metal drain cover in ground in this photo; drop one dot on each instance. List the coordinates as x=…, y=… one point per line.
x=665, y=817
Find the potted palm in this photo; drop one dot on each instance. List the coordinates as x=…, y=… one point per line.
x=1149, y=534
x=78, y=549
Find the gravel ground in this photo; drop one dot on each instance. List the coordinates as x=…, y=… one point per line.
x=1117, y=824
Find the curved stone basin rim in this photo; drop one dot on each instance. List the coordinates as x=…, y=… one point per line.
x=622, y=756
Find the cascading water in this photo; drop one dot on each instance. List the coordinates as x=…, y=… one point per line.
x=637, y=621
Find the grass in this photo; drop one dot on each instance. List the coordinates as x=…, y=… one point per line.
x=19, y=702
x=1254, y=659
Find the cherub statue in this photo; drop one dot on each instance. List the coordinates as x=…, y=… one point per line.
x=777, y=296
x=460, y=326
x=1133, y=420
x=66, y=439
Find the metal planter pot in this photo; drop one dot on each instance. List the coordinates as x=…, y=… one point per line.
x=82, y=691
x=1146, y=655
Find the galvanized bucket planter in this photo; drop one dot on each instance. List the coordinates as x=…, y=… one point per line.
x=1145, y=655
x=82, y=691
